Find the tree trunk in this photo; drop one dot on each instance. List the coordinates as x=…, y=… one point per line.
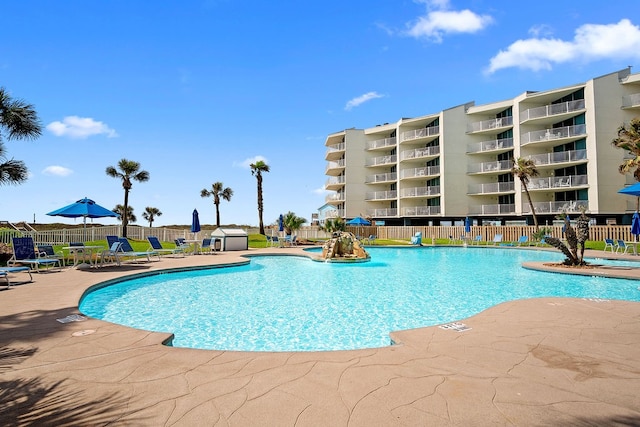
x=260, y=207
x=533, y=209
x=125, y=216
x=217, y=215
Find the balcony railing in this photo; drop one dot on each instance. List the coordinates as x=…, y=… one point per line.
x=630, y=101
x=381, y=143
x=381, y=195
x=335, y=148
x=334, y=213
x=556, y=207
x=419, y=133
x=381, y=161
x=553, y=134
x=491, y=188
x=335, y=180
x=420, y=172
x=492, y=209
x=379, y=213
x=420, y=153
x=335, y=165
x=335, y=197
x=552, y=110
x=381, y=177
x=559, y=157
x=498, y=166
x=421, y=210
x=491, y=145
x=486, y=125
x=558, y=182
x=430, y=190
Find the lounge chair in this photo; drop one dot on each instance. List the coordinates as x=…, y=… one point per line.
x=624, y=248
x=5, y=271
x=113, y=253
x=476, y=240
x=46, y=251
x=417, y=239
x=182, y=244
x=609, y=243
x=371, y=240
x=156, y=246
x=523, y=241
x=128, y=252
x=291, y=240
x=208, y=245
x=497, y=239
x=24, y=253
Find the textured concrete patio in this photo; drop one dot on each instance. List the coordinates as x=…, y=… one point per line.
x=533, y=362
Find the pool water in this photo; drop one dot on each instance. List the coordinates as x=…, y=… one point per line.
x=282, y=303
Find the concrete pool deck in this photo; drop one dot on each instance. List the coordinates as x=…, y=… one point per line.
x=547, y=361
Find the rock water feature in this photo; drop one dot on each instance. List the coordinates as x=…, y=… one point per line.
x=344, y=247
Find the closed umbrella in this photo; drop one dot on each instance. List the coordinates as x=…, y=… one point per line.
x=281, y=223
x=467, y=225
x=195, y=222
x=635, y=225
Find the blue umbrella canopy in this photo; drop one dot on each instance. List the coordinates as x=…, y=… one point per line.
x=85, y=208
x=632, y=190
x=358, y=221
x=635, y=224
x=467, y=225
x=195, y=221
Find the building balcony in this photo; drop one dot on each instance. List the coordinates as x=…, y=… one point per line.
x=421, y=210
x=575, y=206
x=494, y=145
x=558, y=158
x=335, y=151
x=379, y=144
x=427, y=191
x=412, y=135
x=558, y=183
x=555, y=136
x=422, y=154
x=335, y=198
x=382, y=213
x=420, y=173
x=381, y=178
x=631, y=101
x=334, y=183
x=381, y=195
x=335, y=168
x=493, y=125
x=569, y=108
x=506, y=209
x=498, y=167
x=334, y=213
x=381, y=161
x=491, y=188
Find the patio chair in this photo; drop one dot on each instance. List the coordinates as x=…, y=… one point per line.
x=24, y=253
x=417, y=239
x=609, y=243
x=156, y=246
x=208, y=245
x=182, y=244
x=5, y=271
x=46, y=251
x=497, y=239
x=371, y=240
x=476, y=240
x=128, y=252
x=623, y=247
x=112, y=254
x=523, y=241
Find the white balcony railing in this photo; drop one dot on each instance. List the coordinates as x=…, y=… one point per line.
x=486, y=125
x=484, y=167
x=379, y=213
x=420, y=153
x=419, y=133
x=381, y=177
x=335, y=164
x=553, y=134
x=381, y=160
x=492, y=209
x=430, y=190
x=558, y=182
x=558, y=157
x=335, y=148
x=556, y=207
x=491, y=188
x=552, y=110
x=491, y=145
x=381, y=143
x=420, y=172
x=335, y=180
x=629, y=101
x=421, y=210
x=335, y=197
x=381, y=195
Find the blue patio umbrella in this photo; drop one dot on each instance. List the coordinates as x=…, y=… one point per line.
x=467, y=225
x=83, y=208
x=281, y=223
x=358, y=221
x=632, y=190
x=635, y=225
x=195, y=222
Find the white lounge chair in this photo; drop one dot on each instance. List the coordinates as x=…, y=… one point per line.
x=497, y=239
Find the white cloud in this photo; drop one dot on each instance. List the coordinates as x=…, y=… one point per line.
x=362, y=99
x=320, y=191
x=591, y=42
x=440, y=21
x=80, y=128
x=246, y=164
x=57, y=171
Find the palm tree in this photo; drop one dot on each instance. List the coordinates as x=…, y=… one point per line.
x=629, y=139
x=334, y=224
x=20, y=121
x=129, y=170
x=257, y=169
x=292, y=222
x=217, y=191
x=525, y=169
x=150, y=214
x=120, y=210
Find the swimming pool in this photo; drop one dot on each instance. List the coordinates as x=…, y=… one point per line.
x=282, y=303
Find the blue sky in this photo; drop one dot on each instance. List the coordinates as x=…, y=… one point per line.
x=197, y=90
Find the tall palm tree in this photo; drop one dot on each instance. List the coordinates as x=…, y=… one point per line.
x=292, y=222
x=217, y=191
x=525, y=169
x=120, y=210
x=629, y=139
x=150, y=214
x=20, y=121
x=129, y=170
x=257, y=169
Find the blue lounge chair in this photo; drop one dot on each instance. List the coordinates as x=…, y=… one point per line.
x=156, y=246
x=417, y=239
x=208, y=245
x=128, y=252
x=181, y=244
x=46, y=251
x=609, y=243
x=112, y=254
x=624, y=248
x=523, y=240
x=24, y=253
x=5, y=271
x=476, y=240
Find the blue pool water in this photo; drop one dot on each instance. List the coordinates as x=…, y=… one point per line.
x=279, y=303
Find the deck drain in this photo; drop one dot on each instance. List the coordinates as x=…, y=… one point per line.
x=72, y=318
x=458, y=327
x=83, y=332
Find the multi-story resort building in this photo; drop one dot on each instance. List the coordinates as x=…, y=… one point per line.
x=440, y=168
